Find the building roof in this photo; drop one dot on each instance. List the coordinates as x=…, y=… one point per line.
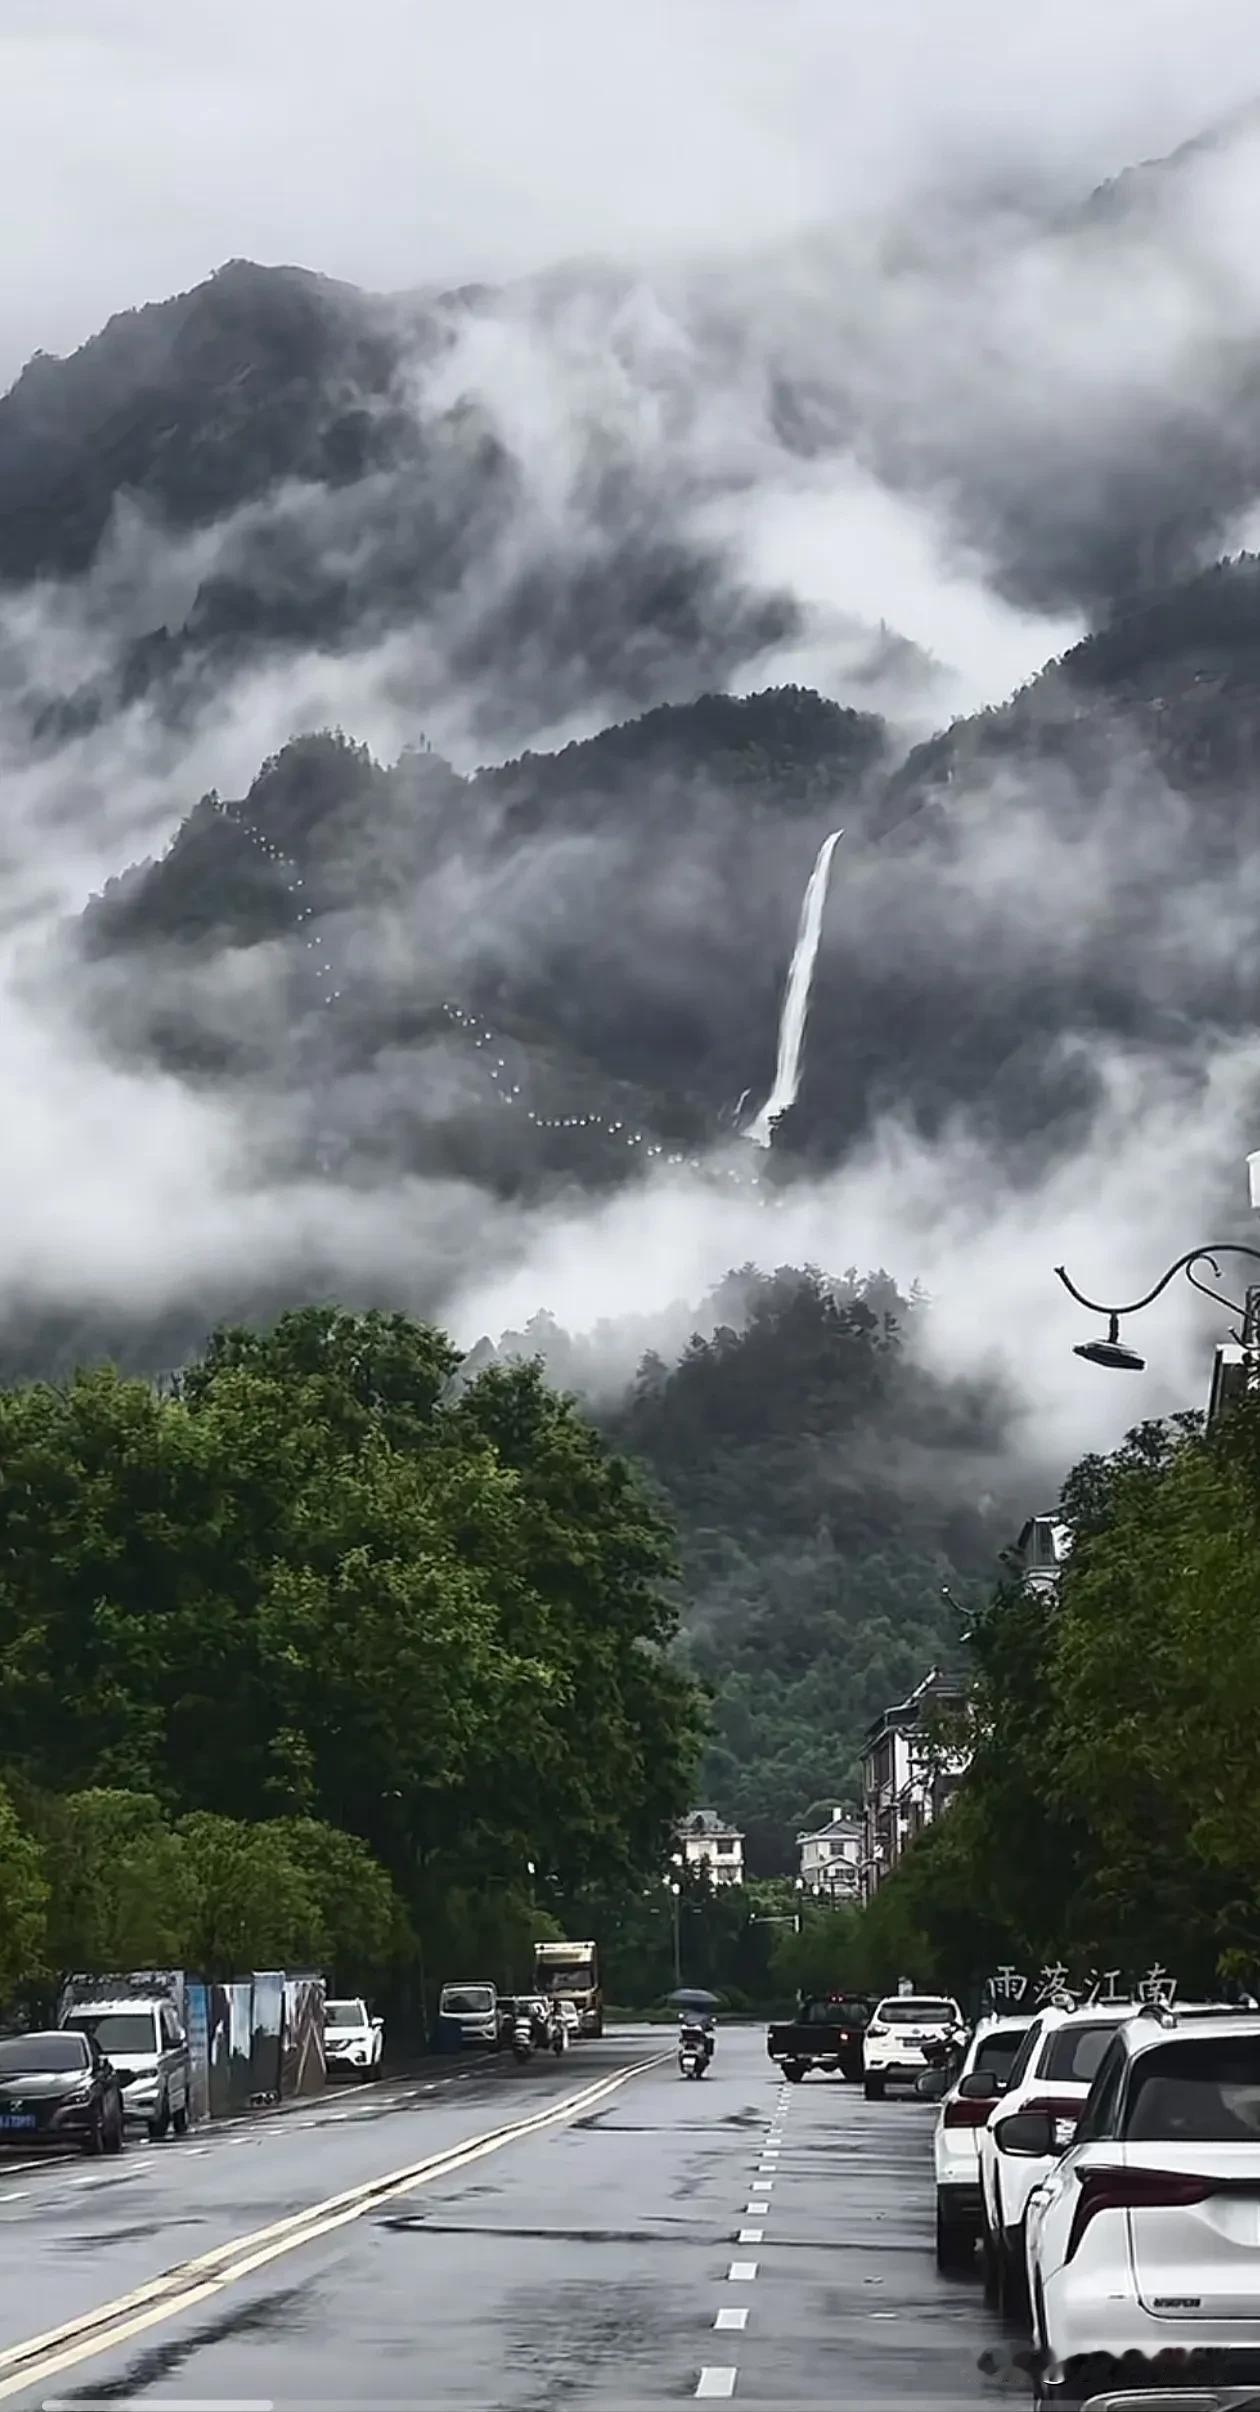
x=839, y=1825
x=706, y=1825
x=938, y=1684
x=1044, y=1543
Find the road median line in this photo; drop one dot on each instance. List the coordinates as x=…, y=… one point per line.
x=192, y=2282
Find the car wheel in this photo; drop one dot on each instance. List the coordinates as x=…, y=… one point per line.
x=793, y=2072
x=955, y=2240
x=988, y=2265
x=873, y=2088
x=179, y=2118
x=1090, y=2374
x=1012, y=2278
x=159, y=2124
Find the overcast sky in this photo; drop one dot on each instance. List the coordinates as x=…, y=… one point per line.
x=399, y=142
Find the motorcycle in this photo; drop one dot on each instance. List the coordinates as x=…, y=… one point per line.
x=944, y=2060
x=695, y=2051
x=523, y=2037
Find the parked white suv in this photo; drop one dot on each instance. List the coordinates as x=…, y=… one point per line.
x=892, y=2046
x=965, y=2109
x=353, y=2042
x=142, y=2036
x=1145, y=2237
x=1052, y=2073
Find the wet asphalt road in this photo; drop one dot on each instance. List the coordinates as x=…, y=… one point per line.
x=588, y=2262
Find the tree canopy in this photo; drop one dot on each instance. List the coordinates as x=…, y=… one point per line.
x=291, y=1650
x=1108, y=1815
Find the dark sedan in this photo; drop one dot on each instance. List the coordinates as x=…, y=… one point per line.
x=57, y=2088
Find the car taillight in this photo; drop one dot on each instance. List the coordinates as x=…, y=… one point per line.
x=876, y=2029
x=1054, y=2106
x=961, y=2113
x=1133, y=2190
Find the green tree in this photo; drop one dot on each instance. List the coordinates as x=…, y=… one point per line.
x=1156, y=1696
x=119, y=1882
x=360, y=1912
x=300, y=1587
x=253, y=1903
x=23, y=1904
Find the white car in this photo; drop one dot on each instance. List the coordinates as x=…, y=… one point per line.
x=892, y=2047
x=142, y=2036
x=353, y=2041
x=569, y=2018
x=965, y=2109
x=1052, y=2073
x=1145, y=2238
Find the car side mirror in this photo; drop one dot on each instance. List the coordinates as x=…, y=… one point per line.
x=378, y=2023
x=932, y=2086
x=1029, y=2133
x=983, y=2085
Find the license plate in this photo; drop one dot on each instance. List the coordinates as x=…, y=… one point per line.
x=17, y=2119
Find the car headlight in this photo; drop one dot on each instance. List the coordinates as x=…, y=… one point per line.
x=82, y=2094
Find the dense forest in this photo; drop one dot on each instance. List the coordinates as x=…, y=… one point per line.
x=303, y=1658
x=837, y=1513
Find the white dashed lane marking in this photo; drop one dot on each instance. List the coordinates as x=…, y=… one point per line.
x=732, y=2315
x=740, y=2272
x=750, y=2236
x=716, y=2382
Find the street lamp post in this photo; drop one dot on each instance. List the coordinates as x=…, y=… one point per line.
x=676, y=1892
x=1114, y=1352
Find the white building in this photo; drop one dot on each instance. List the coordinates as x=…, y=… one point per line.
x=1041, y=1552
x=907, y=1776
x=831, y=1856
x=710, y=1846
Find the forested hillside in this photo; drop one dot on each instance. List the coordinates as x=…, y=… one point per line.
x=828, y=1491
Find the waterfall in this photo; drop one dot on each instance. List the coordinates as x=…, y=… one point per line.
x=787, y=1070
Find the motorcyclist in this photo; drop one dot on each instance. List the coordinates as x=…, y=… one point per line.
x=692, y=2039
x=705, y=2024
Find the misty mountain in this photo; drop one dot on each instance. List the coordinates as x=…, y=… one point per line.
x=523, y=509
x=266, y=463
x=599, y=937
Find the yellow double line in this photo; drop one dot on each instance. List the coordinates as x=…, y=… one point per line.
x=194, y=2282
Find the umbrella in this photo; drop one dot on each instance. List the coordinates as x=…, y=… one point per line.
x=693, y=1997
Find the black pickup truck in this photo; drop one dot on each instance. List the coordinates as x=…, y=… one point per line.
x=826, y=2033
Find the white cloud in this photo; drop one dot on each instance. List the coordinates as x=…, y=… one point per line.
x=396, y=144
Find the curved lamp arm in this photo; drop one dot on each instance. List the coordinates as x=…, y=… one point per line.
x=1184, y=1264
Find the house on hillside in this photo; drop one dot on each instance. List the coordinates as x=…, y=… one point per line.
x=710, y=1846
x=831, y=1856
x=908, y=1777
x=1040, y=1554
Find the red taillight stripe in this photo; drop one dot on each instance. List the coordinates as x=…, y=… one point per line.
x=1108, y=2189
x=964, y=2113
